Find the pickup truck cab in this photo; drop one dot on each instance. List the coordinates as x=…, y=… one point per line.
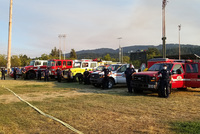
x=184, y=74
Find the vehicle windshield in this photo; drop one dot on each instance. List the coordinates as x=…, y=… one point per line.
x=113, y=67
x=32, y=63
x=51, y=63
x=100, y=68
x=159, y=66
x=77, y=64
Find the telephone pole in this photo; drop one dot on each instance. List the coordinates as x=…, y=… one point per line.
x=9, y=39
x=163, y=28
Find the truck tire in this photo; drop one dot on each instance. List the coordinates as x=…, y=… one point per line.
x=31, y=75
x=110, y=83
x=137, y=90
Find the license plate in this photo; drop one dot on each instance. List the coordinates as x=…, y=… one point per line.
x=150, y=86
x=65, y=76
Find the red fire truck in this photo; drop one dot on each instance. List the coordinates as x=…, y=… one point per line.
x=184, y=74
x=55, y=63
x=34, y=66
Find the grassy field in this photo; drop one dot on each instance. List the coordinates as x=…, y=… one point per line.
x=95, y=111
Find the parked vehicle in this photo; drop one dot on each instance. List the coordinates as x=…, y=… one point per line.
x=55, y=63
x=117, y=76
x=31, y=70
x=79, y=69
x=96, y=77
x=184, y=74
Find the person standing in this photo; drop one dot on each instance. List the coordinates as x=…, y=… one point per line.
x=164, y=82
x=46, y=77
x=69, y=75
x=23, y=73
x=15, y=73
x=86, y=77
x=106, y=77
x=39, y=74
x=128, y=74
x=59, y=74
x=2, y=74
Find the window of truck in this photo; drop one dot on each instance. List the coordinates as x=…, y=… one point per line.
x=93, y=65
x=69, y=63
x=32, y=63
x=64, y=63
x=77, y=64
x=44, y=63
x=85, y=65
x=122, y=69
x=51, y=63
x=177, y=68
x=99, y=68
x=37, y=63
x=58, y=63
x=158, y=67
x=113, y=67
x=192, y=68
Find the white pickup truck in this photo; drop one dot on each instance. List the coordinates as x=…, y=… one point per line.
x=116, y=77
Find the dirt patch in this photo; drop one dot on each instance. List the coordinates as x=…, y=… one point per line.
x=5, y=99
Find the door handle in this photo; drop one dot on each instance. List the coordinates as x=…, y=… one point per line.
x=198, y=76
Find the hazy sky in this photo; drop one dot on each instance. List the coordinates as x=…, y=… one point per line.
x=90, y=24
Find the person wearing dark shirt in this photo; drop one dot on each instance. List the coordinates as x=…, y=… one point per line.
x=128, y=74
x=2, y=74
x=69, y=75
x=106, y=78
x=165, y=79
x=59, y=74
x=46, y=77
x=86, y=75
x=39, y=74
x=15, y=73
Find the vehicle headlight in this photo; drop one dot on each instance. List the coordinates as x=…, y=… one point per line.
x=100, y=76
x=153, y=79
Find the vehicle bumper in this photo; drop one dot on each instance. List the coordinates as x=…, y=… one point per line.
x=96, y=81
x=145, y=86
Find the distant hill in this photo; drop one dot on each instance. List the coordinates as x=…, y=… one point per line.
x=171, y=49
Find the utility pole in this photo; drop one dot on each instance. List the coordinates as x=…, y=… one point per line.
x=9, y=39
x=120, y=50
x=179, y=29
x=163, y=28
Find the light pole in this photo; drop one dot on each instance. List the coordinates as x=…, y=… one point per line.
x=60, y=36
x=64, y=36
x=120, y=50
x=163, y=28
x=9, y=39
x=179, y=29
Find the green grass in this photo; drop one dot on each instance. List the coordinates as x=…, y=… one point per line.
x=189, y=127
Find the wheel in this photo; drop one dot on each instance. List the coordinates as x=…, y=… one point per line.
x=31, y=75
x=75, y=78
x=136, y=90
x=110, y=83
